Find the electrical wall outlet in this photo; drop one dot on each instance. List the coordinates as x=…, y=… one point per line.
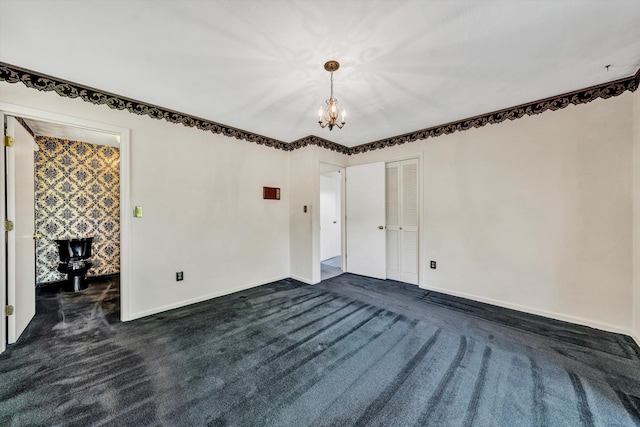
x=179, y=276
x=433, y=264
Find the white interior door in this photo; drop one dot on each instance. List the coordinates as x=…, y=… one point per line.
x=20, y=244
x=330, y=224
x=3, y=241
x=409, y=211
x=365, y=216
x=402, y=221
x=393, y=220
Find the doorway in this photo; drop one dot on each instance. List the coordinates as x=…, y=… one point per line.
x=55, y=122
x=382, y=215
x=77, y=195
x=331, y=253
x=402, y=220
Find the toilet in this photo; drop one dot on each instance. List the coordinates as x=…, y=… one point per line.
x=74, y=261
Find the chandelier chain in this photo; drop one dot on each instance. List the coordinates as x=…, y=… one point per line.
x=332, y=85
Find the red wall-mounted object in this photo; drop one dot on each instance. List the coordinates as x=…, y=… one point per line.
x=271, y=193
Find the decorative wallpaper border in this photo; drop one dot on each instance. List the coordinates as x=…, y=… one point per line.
x=320, y=142
x=582, y=96
x=46, y=83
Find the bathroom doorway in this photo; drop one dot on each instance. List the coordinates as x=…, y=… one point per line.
x=331, y=224
x=104, y=142
x=77, y=196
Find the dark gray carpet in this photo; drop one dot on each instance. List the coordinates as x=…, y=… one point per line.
x=336, y=261
x=330, y=268
x=349, y=351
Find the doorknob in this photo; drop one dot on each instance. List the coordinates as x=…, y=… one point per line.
x=381, y=227
x=37, y=236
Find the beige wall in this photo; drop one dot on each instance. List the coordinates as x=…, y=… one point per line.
x=203, y=207
x=305, y=227
x=533, y=214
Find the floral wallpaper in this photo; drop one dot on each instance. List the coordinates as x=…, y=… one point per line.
x=77, y=191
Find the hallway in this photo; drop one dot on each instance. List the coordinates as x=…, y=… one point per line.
x=330, y=268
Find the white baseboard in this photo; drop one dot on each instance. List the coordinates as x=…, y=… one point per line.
x=302, y=279
x=531, y=310
x=203, y=298
x=636, y=338
x=518, y=307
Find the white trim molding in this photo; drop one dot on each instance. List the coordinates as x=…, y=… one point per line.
x=544, y=313
x=303, y=280
x=125, y=193
x=203, y=298
x=635, y=337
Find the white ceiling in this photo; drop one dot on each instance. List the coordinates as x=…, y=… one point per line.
x=258, y=65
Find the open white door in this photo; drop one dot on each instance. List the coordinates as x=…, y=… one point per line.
x=20, y=209
x=366, y=238
x=330, y=212
x=3, y=242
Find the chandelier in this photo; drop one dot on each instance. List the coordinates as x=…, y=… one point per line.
x=328, y=115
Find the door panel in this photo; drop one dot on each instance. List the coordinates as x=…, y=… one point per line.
x=410, y=195
x=409, y=232
x=365, y=212
x=393, y=268
x=330, y=224
x=402, y=230
x=21, y=247
x=3, y=242
x=409, y=257
x=393, y=220
x=392, y=197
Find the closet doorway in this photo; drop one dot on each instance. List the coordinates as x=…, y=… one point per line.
x=382, y=220
x=402, y=220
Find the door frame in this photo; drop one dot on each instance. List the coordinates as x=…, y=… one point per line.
x=125, y=200
x=419, y=156
x=418, y=226
x=323, y=167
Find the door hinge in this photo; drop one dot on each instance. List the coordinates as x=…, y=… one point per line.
x=8, y=141
x=8, y=225
x=8, y=310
